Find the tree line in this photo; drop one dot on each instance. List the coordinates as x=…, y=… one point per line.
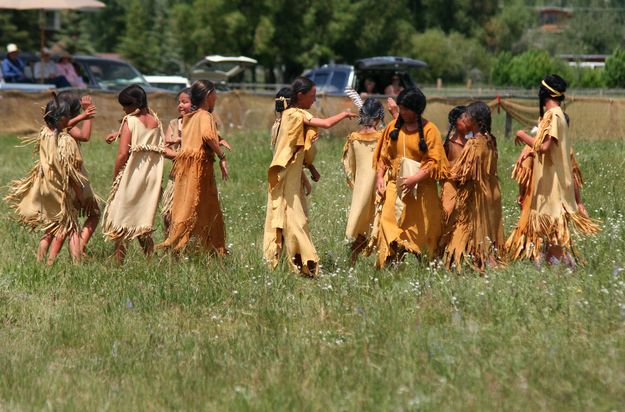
x=459, y=39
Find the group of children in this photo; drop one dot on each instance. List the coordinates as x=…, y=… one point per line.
x=57, y=192
x=394, y=171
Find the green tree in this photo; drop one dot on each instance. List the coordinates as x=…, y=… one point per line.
x=615, y=69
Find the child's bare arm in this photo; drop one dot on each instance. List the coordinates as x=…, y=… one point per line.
x=330, y=121
x=123, y=152
x=314, y=173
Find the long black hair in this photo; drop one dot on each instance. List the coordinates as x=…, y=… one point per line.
x=133, y=96
x=480, y=113
x=54, y=111
x=452, y=118
x=199, y=90
x=282, y=98
x=413, y=99
x=300, y=85
x=551, y=87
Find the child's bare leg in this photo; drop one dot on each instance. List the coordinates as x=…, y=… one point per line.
x=166, y=223
x=358, y=246
x=75, y=246
x=120, y=251
x=554, y=253
x=55, y=248
x=87, y=231
x=44, y=244
x=147, y=243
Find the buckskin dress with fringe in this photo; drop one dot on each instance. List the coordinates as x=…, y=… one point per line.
x=476, y=236
x=421, y=224
x=286, y=222
x=196, y=212
x=548, y=207
x=47, y=198
x=133, y=202
x=361, y=175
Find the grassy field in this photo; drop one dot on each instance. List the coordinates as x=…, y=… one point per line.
x=202, y=334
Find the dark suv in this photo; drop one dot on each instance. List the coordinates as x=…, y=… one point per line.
x=334, y=79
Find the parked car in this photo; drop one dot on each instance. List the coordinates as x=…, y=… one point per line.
x=335, y=78
x=97, y=73
x=220, y=69
x=171, y=83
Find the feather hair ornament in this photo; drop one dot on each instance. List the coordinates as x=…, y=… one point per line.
x=354, y=96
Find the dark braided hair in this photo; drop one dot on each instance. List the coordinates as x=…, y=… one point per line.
x=480, y=113
x=199, y=90
x=413, y=99
x=133, y=96
x=55, y=110
x=370, y=112
x=453, y=117
x=557, y=84
x=286, y=93
x=300, y=85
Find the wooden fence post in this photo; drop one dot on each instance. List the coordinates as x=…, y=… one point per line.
x=508, y=127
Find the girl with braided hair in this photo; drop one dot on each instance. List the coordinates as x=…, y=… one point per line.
x=476, y=235
x=133, y=201
x=551, y=202
x=408, y=221
x=48, y=199
x=357, y=155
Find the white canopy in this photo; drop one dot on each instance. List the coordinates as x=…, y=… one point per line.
x=51, y=4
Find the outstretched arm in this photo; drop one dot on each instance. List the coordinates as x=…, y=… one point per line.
x=330, y=121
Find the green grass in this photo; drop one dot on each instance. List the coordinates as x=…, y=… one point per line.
x=203, y=334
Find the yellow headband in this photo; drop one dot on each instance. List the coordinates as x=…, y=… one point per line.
x=554, y=93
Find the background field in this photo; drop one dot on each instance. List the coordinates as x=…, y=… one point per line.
x=231, y=335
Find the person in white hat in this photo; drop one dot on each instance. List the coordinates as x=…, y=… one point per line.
x=13, y=67
x=46, y=69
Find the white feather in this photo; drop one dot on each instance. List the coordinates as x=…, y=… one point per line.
x=354, y=96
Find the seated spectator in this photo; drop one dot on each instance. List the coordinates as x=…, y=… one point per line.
x=46, y=70
x=369, y=85
x=395, y=87
x=13, y=67
x=66, y=68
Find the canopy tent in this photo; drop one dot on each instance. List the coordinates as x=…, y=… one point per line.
x=42, y=5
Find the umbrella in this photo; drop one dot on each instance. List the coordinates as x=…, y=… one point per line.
x=49, y=5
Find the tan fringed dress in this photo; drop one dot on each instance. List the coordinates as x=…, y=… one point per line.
x=549, y=207
x=286, y=223
x=420, y=226
x=168, y=195
x=453, y=150
x=47, y=199
x=361, y=175
x=196, y=212
x=133, y=202
x=476, y=237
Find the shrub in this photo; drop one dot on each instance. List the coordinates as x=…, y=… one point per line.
x=527, y=69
